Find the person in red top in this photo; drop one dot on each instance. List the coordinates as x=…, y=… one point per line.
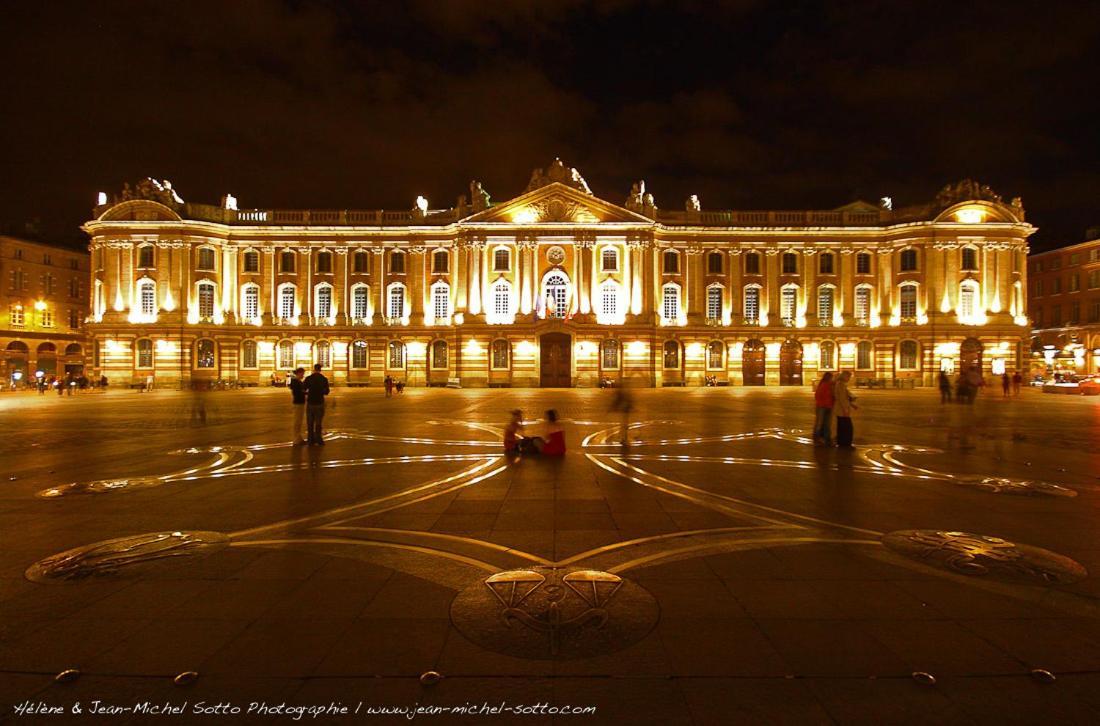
x=554, y=443
x=823, y=404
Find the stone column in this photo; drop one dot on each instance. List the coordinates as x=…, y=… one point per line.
x=733, y=312
x=459, y=275
x=474, y=251
x=886, y=285
x=379, y=280
x=528, y=250
x=809, y=293
x=769, y=300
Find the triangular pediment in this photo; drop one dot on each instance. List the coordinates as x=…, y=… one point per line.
x=556, y=203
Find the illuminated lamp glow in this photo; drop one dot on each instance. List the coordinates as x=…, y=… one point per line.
x=585, y=348
x=800, y=321
x=763, y=320
x=970, y=215
x=998, y=366
x=945, y=304
x=120, y=305
x=169, y=301
x=39, y=305
x=405, y=320
x=422, y=205
x=257, y=321
x=166, y=346
x=113, y=346
x=302, y=348
x=772, y=350
x=101, y=199
x=812, y=351
x=266, y=347
x=416, y=348
x=995, y=303
x=472, y=347
x=847, y=349
x=694, y=350
x=637, y=348
x=525, y=348
x=737, y=349
x=943, y=349
x=459, y=318
x=1021, y=320
x=340, y=347
x=526, y=215
x=838, y=319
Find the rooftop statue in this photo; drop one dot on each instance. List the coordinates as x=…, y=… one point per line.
x=964, y=191
x=692, y=204
x=560, y=173
x=479, y=198
x=635, y=201
x=151, y=189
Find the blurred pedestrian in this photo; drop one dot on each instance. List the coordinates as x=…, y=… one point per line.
x=945, y=387
x=298, y=403
x=1017, y=381
x=316, y=386
x=823, y=410
x=623, y=404
x=1006, y=384
x=70, y=381
x=513, y=434
x=388, y=384
x=400, y=386
x=843, y=406
x=974, y=381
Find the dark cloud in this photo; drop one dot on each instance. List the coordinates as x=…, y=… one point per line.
x=747, y=104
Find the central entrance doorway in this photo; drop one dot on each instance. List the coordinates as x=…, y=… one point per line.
x=556, y=359
x=790, y=363
x=752, y=362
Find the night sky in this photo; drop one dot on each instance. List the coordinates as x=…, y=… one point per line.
x=747, y=104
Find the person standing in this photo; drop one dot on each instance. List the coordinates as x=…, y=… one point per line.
x=1006, y=384
x=388, y=383
x=823, y=410
x=298, y=401
x=945, y=387
x=843, y=406
x=316, y=389
x=1017, y=381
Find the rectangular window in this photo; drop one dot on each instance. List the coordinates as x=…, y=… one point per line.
x=287, y=261
x=248, y=354
x=46, y=259
x=863, y=264
x=440, y=262
x=1038, y=288
x=1094, y=279
x=714, y=303
x=46, y=317
x=441, y=302
x=147, y=256
x=74, y=318
x=359, y=303
x=48, y=284
x=359, y=354
x=825, y=263
x=788, y=303
x=1075, y=282
x=74, y=287
x=16, y=315
x=148, y=299
x=969, y=258
x=752, y=304
x=863, y=304
x=206, y=301
x=671, y=262
x=324, y=302
x=609, y=354
x=670, y=304
x=908, y=302
x=74, y=264
x=206, y=259
x=251, y=261
x=825, y=305
x=609, y=301
x=714, y=263
x=1075, y=259
x=287, y=303
x=609, y=259
x=790, y=263
x=966, y=302
x=501, y=260
x=502, y=300
x=324, y=262
x=360, y=262
x=251, y=302
x=1074, y=312
x=1056, y=316
x=752, y=263
x=1056, y=286
x=397, y=262
x=1094, y=311
x=397, y=302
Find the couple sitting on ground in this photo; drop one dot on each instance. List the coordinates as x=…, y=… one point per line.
x=551, y=444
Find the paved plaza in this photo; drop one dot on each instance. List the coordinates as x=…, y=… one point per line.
x=718, y=569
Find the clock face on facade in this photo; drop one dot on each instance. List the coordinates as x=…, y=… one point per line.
x=555, y=255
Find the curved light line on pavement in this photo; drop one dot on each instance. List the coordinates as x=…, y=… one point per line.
x=440, y=535
x=665, y=554
x=669, y=535
x=369, y=543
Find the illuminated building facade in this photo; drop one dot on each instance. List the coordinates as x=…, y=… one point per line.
x=556, y=287
x=45, y=293
x=1065, y=312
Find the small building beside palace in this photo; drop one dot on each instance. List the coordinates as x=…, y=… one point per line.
x=557, y=287
x=1065, y=312
x=45, y=289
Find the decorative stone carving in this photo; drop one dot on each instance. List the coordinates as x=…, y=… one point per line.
x=639, y=243
x=479, y=198
x=151, y=190
x=692, y=204
x=559, y=173
x=634, y=201
x=555, y=255
x=965, y=191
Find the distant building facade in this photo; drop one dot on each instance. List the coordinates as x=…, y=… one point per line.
x=1065, y=310
x=556, y=287
x=45, y=291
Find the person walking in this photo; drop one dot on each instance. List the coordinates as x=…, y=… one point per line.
x=316, y=389
x=843, y=406
x=945, y=387
x=1006, y=384
x=974, y=381
x=388, y=383
x=1017, y=381
x=623, y=404
x=823, y=410
x=298, y=402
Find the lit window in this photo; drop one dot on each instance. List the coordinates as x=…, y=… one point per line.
x=250, y=302
x=671, y=355
x=286, y=355
x=788, y=304
x=967, y=296
x=360, y=297
x=909, y=260
x=500, y=354
x=396, y=354
x=147, y=256
x=396, y=307
x=46, y=318
x=323, y=304
x=609, y=259
x=863, y=304
x=439, y=354
x=17, y=316
x=907, y=355
x=557, y=296
x=908, y=306
x=206, y=300
x=502, y=299
x=359, y=354
x=864, y=355
x=440, y=262
x=828, y=355
x=322, y=354
x=501, y=260
x=287, y=302
x=248, y=354
x=609, y=301
x=147, y=298
x=609, y=354
x=204, y=353
x=715, y=352
x=441, y=300
x=752, y=304
x=206, y=259
x=251, y=261
x=670, y=303
x=714, y=303
x=825, y=295
x=143, y=351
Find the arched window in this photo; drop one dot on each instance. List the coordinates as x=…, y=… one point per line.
x=969, y=259
x=556, y=293
x=147, y=297
x=863, y=305
x=864, y=355
x=714, y=302
x=147, y=255
x=670, y=303
x=441, y=301
x=907, y=296
x=671, y=262
x=206, y=300
x=825, y=263
x=286, y=355
x=671, y=356
x=395, y=302
x=500, y=354
x=288, y=260
x=397, y=262
x=205, y=353
x=360, y=302
x=322, y=353
x=752, y=304
x=206, y=258
x=441, y=262
x=288, y=308
x=609, y=302
x=502, y=259
x=828, y=356
x=788, y=304
x=752, y=263
x=322, y=301
x=143, y=353
x=609, y=259
x=439, y=354
x=248, y=354
x=396, y=357
x=716, y=351
x=968, y=298
x=825, y=304
x=863, y=263
x=501, y=309
x=908, y=260
x=250, y=301
x=609, y=354
x=359, y=354
x=790, y=263
x=714, y=263
x=324, y=262
x=360, y=262
x=908, y=355
x=73, y=349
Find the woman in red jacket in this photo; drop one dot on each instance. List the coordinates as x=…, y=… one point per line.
x=554, y=442
x=823, y=405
